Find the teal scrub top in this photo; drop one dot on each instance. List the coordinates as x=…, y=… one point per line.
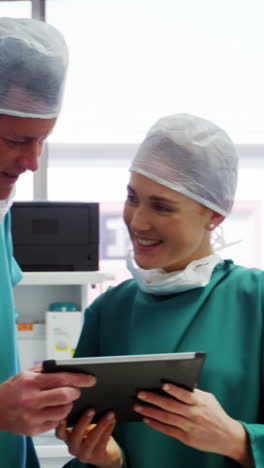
x=16, y=451
x=224, y=319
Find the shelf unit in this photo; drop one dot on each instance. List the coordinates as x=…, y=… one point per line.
x=37, y=290
x=35, y=293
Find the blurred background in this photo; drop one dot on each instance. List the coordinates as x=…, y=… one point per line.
x=132, y=62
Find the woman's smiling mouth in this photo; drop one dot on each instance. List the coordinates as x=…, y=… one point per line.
x=146, y=244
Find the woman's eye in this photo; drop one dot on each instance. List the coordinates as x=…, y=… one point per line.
x=131, y=198
x=162, y=208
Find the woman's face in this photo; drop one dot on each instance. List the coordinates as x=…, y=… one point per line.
x=168, y=230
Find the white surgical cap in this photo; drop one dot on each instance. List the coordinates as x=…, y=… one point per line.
x=33, y=64
x=192, y=156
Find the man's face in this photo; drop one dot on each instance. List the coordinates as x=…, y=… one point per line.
x=21, y=142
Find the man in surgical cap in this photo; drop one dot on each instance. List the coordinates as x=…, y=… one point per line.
x=33, y=64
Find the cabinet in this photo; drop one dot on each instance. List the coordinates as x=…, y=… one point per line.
x=38, y=289
x=33, y=296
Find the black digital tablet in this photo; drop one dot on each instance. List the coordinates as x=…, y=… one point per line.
x=119, y=378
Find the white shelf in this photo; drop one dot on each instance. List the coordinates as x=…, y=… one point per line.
x=35, y=293
x=53, y=451
x=37, y=290
x=64, y=278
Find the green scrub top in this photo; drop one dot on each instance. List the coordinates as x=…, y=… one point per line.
x=224, y=319
x=16, y=451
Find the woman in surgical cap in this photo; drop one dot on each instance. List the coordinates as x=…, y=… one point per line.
x=183, y=297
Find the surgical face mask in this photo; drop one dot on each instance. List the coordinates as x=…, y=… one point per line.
x=158, y=282
x=5, y=204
